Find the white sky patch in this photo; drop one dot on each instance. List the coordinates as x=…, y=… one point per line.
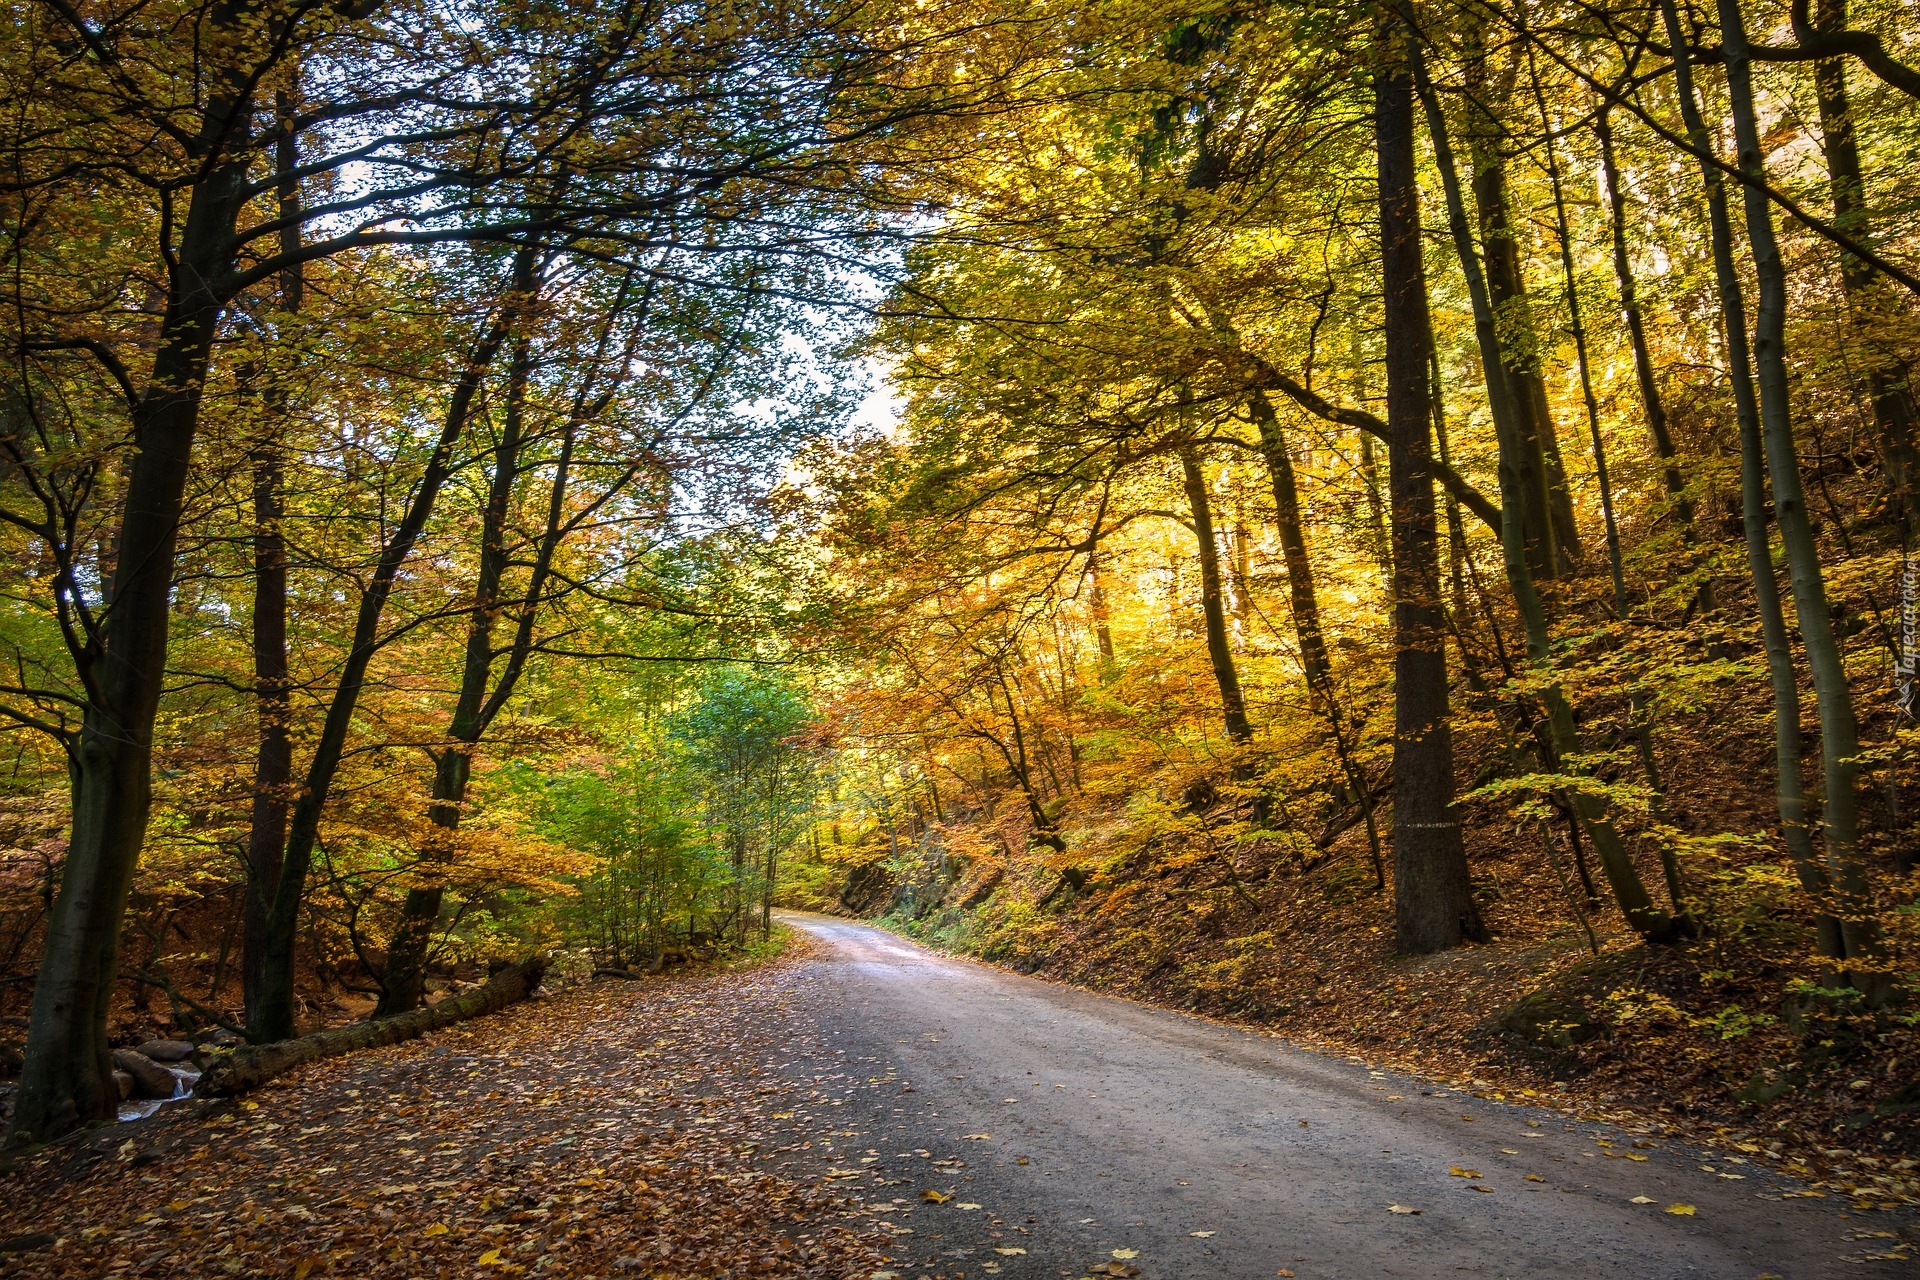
x=882, y=407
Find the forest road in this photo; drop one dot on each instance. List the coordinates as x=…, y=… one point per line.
x=1100, y=1135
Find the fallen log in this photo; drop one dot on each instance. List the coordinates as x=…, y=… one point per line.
x=252, y=1066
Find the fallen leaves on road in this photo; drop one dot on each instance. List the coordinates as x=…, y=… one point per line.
x=1681, y=1210
x=935, y=1197
x=1641, y=1200
x=1402, y=1208
x=1458, y=1172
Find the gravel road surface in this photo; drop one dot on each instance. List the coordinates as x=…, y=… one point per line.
x=1080, y=1134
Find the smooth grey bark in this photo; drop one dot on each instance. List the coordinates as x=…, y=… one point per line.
x=1628, y=890
x=1833, y=700
x=1432, y=891
x=1888, y=389
x=1788, y=747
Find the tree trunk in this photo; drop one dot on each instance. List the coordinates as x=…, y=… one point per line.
x=1654, y=408
x=1628, y=889
x=1789, y=796
x=252, y=1066
x=1301, y=595
x=1839, y=731
x=66, y=1080
x=274, y=1020
x=1233, y=703
x=1433, y=895
x=1887, y=388
x=273, y=768
x=408, y=949
x=1552, y=536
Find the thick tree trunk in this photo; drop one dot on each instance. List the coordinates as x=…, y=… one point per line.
x=1233, y=703
x=1789, y=796
x=66, y=1081
x=273, y=768
x=1433, y=896
x=1839, y=730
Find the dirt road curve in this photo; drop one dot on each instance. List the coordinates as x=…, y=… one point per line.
x=1198, y=1150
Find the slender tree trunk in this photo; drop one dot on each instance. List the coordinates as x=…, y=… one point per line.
x=1628, y=889
x=275, y=1020
x=1576, y=325
x=66, y=1081
x=1432, y=892
x=1377, y=539
x=273, y=768
x=1789, y=795
x=1653, y=406
x=1301, y=595
x=1233, y=703
x=1097, y=602
x=1839, y=731
x=1887, y=387
x=408, y=950
x=1552, y=536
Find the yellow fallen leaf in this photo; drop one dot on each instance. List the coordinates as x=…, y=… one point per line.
x=1534, y=1177
x=966, y=1206
x=976, y=1137
x=1680, y=1210
x=1124, y=1254
x=1200, y=1234
x=1283, y=1272
x=1635, y=1155
x=1641, y=1200
x=176, y=1206
x=1401, y=1208
x=488, y=1259
x=1009, y=1253
x=935, y=1197
x=1458, y=1172
x=437, y=1229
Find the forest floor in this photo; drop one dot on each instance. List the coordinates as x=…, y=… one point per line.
x=614, y=1128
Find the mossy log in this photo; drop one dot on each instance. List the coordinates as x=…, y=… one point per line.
x=254, y=1065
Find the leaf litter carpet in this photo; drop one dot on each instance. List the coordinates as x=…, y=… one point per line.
x=613, y=1130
